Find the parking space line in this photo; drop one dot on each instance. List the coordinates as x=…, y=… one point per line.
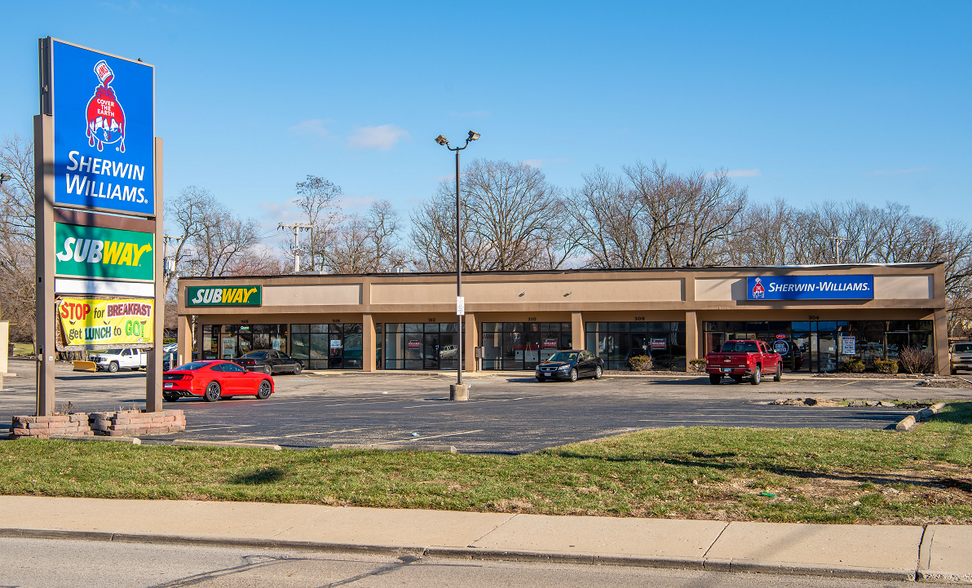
x=435, y=436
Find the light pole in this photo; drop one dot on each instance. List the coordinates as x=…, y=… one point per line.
x=458, y=391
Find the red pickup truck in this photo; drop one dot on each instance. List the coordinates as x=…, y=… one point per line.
x=744, y=358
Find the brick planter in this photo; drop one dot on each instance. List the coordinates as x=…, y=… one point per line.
x=128, y=423
x=43, y=427
x=123, y=423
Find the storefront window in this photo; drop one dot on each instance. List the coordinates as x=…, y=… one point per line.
x=824, y=346
x=521, y=346
x=324, y=346
x=421, y=346
x=617, y=343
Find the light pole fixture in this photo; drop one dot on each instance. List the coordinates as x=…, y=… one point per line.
x=7, y=177
x=459, y=391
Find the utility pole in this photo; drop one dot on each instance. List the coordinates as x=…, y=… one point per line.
x=166, y=270
x=836, y=239
x=296, y=227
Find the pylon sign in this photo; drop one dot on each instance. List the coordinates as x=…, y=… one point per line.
x=104, y=128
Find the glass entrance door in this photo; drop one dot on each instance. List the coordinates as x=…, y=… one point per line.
x=827, y=343
x=800, y=356
x=431, y=351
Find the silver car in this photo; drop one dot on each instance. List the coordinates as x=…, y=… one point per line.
x=960, y=356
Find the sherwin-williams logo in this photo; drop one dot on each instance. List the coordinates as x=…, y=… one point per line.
x=758, y=290
x=844, y=287
x=230, y=296
x=106, y=117
x=95, y=252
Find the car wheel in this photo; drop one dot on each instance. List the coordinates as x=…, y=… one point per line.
x=541, y=379
x=212, y=392
x=263, y=392
x=779, y=373
x=598, y=372
x=170, y=397
x=113, y=367
x=267, y=370
x=757, y=377
x=297, y=369
x=714, y=378
x=573, y=375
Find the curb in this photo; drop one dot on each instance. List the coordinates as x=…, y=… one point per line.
x=732, y=566
x=908, y=423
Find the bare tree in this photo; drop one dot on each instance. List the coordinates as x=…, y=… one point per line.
x=17, y=253
x=317, y=199
x=509, y=212
x=365, y=244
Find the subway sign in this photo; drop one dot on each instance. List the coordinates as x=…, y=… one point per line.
x=810, y=288
x=224, y=296
x=97, y=252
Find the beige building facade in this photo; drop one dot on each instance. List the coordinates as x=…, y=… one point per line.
x=817, y=316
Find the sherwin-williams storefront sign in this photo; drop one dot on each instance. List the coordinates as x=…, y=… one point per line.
x=224, y=296
x=104, y=129
x=92, y=321
x=810, y=288
x=95, y=252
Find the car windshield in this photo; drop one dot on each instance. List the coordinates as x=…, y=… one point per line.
x=256, y=355
x=564, y=356
x=111, y=352
x=193, y=365
x=740, y=347
x=963, y=348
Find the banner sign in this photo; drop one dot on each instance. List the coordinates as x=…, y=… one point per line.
x=234, y=296
x=97, y=252
x=104, y=129
x=92, y=321
x=810, y=288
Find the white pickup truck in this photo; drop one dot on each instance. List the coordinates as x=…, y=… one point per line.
x=115, y=359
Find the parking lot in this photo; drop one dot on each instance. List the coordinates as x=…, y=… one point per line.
x=507, y=413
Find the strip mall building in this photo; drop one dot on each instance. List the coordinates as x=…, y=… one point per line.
x=816, y=316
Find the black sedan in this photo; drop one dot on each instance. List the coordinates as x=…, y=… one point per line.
x=269, y=361
x=571, y=365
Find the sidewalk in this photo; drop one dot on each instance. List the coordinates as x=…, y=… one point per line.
x=938, y=553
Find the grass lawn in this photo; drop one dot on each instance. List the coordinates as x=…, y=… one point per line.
x=784, y=475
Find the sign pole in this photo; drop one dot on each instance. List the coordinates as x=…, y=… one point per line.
x=153, y=366
x=44, y=248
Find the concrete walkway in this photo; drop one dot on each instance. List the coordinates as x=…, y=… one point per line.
x=940, y=553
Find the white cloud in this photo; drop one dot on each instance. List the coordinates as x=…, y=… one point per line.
x=314, y=126
x=538, y=163
x=381, y=138
x=355, y=204
x=898, y=172
x=736, y=173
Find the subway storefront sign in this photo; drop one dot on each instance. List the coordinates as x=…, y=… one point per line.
x=224, y=296
x=119, y=322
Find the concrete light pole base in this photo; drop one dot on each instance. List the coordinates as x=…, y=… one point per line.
x=459, y=392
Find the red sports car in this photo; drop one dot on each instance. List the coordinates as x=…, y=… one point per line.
x=213, y=380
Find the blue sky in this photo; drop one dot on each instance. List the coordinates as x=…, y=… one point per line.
x=804, y=101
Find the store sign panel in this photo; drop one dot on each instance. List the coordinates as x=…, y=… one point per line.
x=92, y=321
x=96, y=252
x=810, y=288
x=224, y=296
x=104, y=130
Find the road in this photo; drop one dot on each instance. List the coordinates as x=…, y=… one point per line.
x=506, y=414
x=52, y=563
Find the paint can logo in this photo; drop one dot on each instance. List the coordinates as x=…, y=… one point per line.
x=106, y=117
x=758, y=291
